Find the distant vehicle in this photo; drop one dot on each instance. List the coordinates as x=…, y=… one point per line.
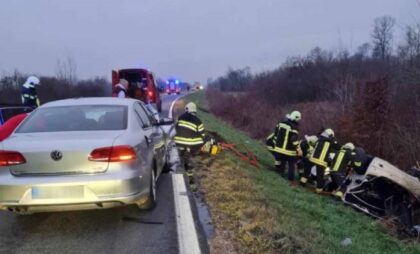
x=198, y=86
x=101, y=153
x=142, y=85
x=173, y=86
x=9, y=111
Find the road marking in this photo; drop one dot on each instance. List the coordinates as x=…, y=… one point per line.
x=172, y=106
x=187, y=234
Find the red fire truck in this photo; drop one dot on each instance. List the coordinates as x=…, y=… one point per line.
x=141, y=85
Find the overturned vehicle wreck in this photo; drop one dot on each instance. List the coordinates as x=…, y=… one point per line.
x=384, y=191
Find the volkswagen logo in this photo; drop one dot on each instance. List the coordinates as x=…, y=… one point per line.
x=56, y=155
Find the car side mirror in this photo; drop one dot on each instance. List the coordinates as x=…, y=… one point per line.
x=166, y=121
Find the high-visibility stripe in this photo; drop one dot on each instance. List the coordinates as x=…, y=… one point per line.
x=187, y=126
x=339, y=160
x=303, y=180
x=358, y=163
x=282, y=151
x=188, y=139
x=318, y=162
x=29, y=96
x=187, y=123
x=286, y=138
x=277, y=163
x=270, y=137
x=190, y=143
x=324, y=151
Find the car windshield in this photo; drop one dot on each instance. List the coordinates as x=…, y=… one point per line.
x=76, y=118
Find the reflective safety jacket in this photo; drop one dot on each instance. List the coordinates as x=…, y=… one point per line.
x=285, y=139
x=189, y=130
x=323, y=148
x=29, y=96
x=342, y=160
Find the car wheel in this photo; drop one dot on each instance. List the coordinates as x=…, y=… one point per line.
x=151, y=199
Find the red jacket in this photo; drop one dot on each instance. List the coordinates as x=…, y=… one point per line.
x=10, y=125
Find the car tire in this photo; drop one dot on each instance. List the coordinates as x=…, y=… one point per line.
x=151, y=199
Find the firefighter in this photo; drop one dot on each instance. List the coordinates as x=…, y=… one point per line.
x=306, y=147
x=121, y=88
x=361, y=161
x=283, y=144
x=190, y=135
x=342, y=163
x=321, y=157
x=28, y=92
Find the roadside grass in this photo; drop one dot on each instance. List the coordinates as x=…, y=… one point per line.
x=266, y=215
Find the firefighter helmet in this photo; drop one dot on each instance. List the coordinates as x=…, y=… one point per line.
x=294, y=116
x=328, y=133
x=349, y=146
x=311, y=140
x=191, y=107
x=32, y=80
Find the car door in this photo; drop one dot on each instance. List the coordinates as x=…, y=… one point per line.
x=153, y=135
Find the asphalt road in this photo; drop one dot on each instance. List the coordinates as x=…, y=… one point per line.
x=117, y=230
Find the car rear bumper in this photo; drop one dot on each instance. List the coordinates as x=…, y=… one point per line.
x=73, y=194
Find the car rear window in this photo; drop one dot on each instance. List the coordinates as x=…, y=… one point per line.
x=76, y=118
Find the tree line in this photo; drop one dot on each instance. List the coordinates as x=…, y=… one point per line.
x=370, y=97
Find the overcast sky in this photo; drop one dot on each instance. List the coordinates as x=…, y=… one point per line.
x=191, y=39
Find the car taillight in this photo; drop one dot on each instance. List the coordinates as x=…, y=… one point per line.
x=11, y=158
x=150, y=94
x=113, y=154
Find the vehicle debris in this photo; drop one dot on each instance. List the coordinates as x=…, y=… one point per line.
x=385, y=191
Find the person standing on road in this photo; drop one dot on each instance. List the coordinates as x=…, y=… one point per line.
x=121, y=88
x=321, y=157
x=284, y=144
x=29, y=94
x=190, y=135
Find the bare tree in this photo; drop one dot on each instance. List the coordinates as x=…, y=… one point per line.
x=410, y=48
x=363, y=50
x=382, y=37
x=66, y=70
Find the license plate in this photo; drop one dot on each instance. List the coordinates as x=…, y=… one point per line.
x=57, y=192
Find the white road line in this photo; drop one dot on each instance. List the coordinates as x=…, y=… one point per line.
x=187, y=234
x=172, y=106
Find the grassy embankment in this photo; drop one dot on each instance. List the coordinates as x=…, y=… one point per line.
x=256, y=211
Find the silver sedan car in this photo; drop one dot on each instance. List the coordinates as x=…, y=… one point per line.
x=88, y=153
